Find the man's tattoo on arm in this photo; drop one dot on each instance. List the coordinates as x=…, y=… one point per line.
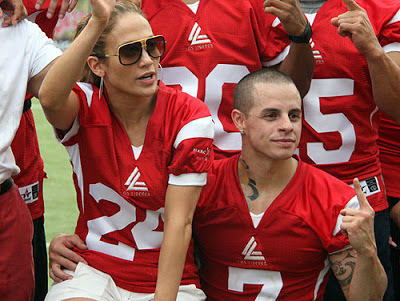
x=344, y=269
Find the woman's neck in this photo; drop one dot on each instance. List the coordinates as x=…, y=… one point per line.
x=134, y=114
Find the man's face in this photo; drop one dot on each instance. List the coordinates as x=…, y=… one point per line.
x=273, y=125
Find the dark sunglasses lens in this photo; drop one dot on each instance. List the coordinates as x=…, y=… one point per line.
x=155, y=46
x=130, y=53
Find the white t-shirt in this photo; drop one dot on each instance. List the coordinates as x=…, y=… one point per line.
x=25, y=51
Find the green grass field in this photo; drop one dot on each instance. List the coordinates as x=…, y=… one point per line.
x=59, y=194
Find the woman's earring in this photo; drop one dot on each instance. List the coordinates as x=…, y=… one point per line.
x=241, y=131
x=101, y=87
x=160, y=71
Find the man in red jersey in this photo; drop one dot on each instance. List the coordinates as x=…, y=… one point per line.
x=269, y=226
x=356, y=48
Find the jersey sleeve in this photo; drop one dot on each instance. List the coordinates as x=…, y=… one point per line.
x=327, y=196
x=85, y=93
x=339, y=241
x=39, y=16
x=192, y=147
x=272, y=40
x=389, y=37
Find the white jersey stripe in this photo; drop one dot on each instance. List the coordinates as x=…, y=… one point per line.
x=276, y=22
x=188, y=179
x=75, y=157
x=353, y=203
x=198, y=128
x=396, y=18
x=321, y=277
x=88, y=89
x=278, y=59
x=392, y=47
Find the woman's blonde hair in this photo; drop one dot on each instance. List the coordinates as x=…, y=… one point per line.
x=121, y=8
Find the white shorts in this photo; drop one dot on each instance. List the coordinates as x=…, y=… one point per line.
x=87, y=282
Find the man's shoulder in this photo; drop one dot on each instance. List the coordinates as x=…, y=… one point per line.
x=325, y=182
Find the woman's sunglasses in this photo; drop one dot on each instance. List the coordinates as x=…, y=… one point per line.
x=131, y=52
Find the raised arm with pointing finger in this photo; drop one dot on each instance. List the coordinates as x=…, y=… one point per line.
x=358, y=270
x=382, y=59
x=356, y=45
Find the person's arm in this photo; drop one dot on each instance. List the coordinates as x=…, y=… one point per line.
x=19, y=11
x=59, y=103
x=66, y=6
x=36, y=81
x=180, y=204
x=299, y=63
x=15, y=6
x=61, y=255
x=358, y=270
x=384, y=68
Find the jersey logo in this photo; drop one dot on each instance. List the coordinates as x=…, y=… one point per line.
x=317, y=55
x=30, y=193
x=370, y=186
x=249, y=252
x=134, y=184
x=195, y=38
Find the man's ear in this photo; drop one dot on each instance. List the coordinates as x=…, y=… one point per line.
x=96, y=66
x=239, y=120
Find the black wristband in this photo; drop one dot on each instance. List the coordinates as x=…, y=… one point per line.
x=305, y=37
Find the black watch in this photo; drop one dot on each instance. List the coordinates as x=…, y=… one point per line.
x=305, y=37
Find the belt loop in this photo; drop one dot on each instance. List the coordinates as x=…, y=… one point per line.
x=6, y=185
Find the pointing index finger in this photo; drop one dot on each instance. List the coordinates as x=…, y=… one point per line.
x=362, y=199
x=352, y=5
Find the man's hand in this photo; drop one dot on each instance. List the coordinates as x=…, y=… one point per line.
x=355, y=24
x=289, y=13
x=61, y=255
x=358, y=224
x=18, y=9
x=66, y=6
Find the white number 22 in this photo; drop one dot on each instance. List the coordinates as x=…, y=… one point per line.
x=143, y=232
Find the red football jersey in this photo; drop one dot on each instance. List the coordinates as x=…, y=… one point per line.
x=389, y=154
x=120, y=198
x=207, y=53
x=25, y=145
x=340, y=125
x=285, y=256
